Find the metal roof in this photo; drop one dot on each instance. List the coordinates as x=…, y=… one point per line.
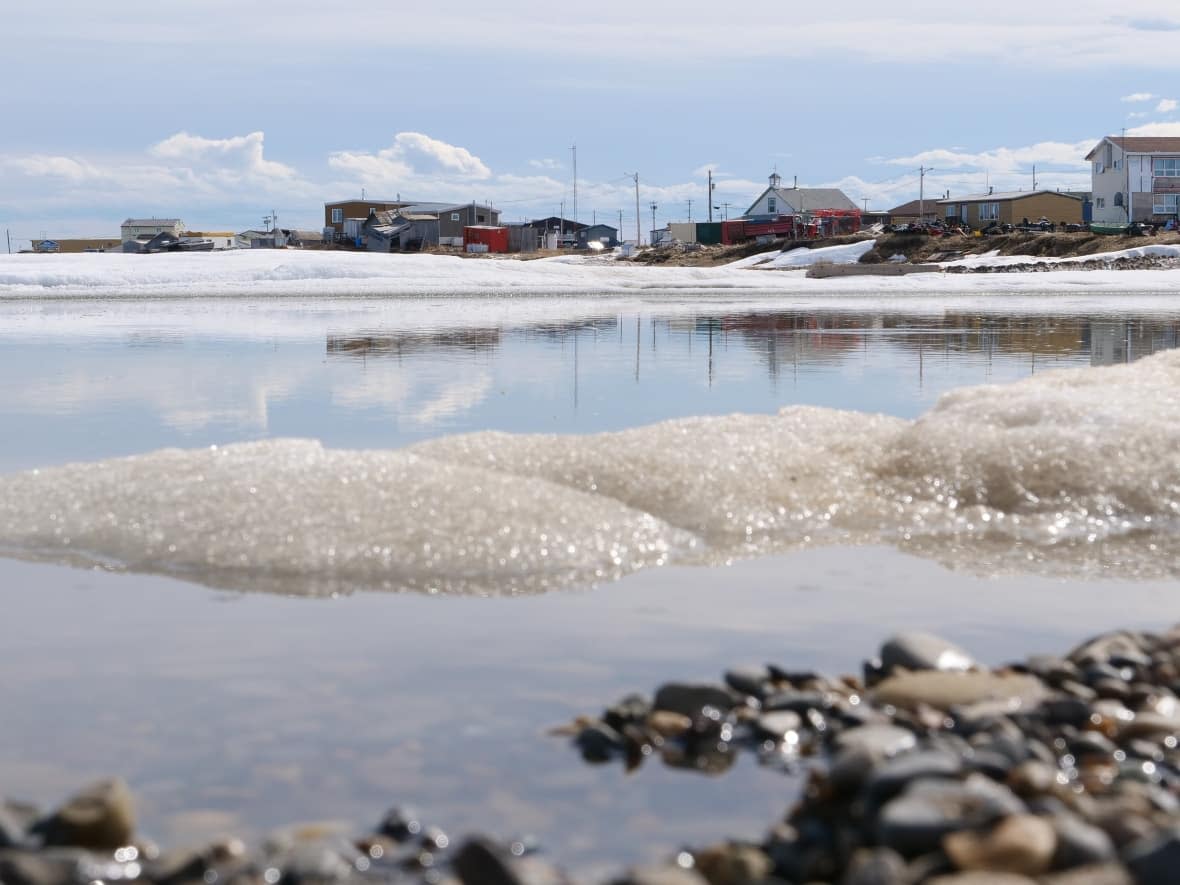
x=802, y=199
x=145, y=222
x=1141, y=144
x=1004, y=196
x=431, y=208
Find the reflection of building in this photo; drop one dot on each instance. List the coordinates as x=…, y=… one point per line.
x=1123, y=341
x=401, y=344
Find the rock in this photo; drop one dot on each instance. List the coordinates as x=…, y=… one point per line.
x=668, y=724
x=1018, y=844
x=316, y=862
x=1100, y=874
x=480, y=862
x=661, y=875
x=634, y=708
x=17, y=820
x=400, y=824
x=733, y=864
x=779, y=723
x=56, y=866
x=101, y=817
x=1155, y=860
x=876, y=866
x=916, y=821
x=881, y=741
x=946, y=689
x=977, y=878
x=923, y=651
x=599, y=742
x=689, y=700
x=892, y=777
x=1080, y=843
x=1120, y=648
x=752, y=681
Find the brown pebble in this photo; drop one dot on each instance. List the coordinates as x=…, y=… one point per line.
x=1021, y=843
x=667, y=724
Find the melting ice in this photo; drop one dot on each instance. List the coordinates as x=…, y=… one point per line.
x=1075, y=472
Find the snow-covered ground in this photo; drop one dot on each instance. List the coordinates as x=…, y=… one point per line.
x=995, y=259
x=262, y=273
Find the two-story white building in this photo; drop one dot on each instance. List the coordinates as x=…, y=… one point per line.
x=1135, y=179
x=778, y=200
x=133, y=228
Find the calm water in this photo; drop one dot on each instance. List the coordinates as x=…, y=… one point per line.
x=243, y=712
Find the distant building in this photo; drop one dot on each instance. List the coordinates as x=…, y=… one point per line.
x=1135, y=179
x=916, y=211
x=452, y=217
x=335, y=214
x=598, y=233
x=395, y=231
x=133, y=228
x=74, y=246
x=778, y=200
x=1012, y=207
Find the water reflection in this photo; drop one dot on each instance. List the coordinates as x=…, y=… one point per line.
x=91, y=380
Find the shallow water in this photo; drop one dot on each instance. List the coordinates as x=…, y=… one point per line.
x=231, y=711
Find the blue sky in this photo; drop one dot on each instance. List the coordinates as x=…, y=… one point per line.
x=219, y=112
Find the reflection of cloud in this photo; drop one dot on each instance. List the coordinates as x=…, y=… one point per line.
x=381, y=384
x=454, y=399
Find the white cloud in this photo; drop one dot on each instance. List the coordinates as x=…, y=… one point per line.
x=1157, y=130
x=240, y=153
x=412, y=155
x=1004, y=160
x=1166, y=105
x=546, y=163
x=1137, y=97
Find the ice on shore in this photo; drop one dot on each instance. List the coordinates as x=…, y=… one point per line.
x=261, y=274
x=1075, y=471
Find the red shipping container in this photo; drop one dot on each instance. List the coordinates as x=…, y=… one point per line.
x=495, y=238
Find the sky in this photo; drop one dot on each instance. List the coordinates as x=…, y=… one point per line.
x=221, y=113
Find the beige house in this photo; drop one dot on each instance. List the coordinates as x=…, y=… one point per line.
x=916, y=211
x=1012, y=207
x=1135, y=179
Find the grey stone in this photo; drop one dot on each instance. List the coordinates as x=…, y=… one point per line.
x=55, y=866
x=944, y=689
x=916, y=821
x=16, y=822
x=1080, y=843
x=915, y=650
x=481, y=862
x=876, y=866
x=978, y=878
x=881, y=741
x=1097, y=874
x=893, y=776
x=753, y=681
x=101, y=817
x=632, y=708
x=400, y=824
x=1117, y=648
x=599, y=742
x=1156, y=859
x=691, y=699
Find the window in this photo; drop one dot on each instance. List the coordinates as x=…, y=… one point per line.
x=454, y=216
x=771, y=204
x=1167, y=204
x=989, y=211
x=1099, y=167
x=950, y=210
x=1166, y=167
x=1118, y=199
x=337, y=216
x=1100, y=202
x=1118, y=164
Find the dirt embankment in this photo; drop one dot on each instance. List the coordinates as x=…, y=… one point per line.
x=917, y=248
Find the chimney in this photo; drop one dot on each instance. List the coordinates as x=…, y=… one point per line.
x=990, y=191
x=796, y=185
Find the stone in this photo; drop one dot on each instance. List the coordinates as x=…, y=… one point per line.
x=1021, y=844
x=17, y=820
x=689, y=700
x=661, y=875
x=633, y=708
x=54, y=866
x=1118, y=648
x=892, y=777
x=1155, y=860
x=481, y=862
x=753, y=681
x=1080, y=843
x=1096, y=874
x=733, y=864
x=101, y=817
x=916, y=821
x=915, y=650
x=599, y=742
x=876, y=866
x=946, y=689
x=882, y=741
x=667, y=724
x=400, y=824
x=977, y=878
x=779, y=723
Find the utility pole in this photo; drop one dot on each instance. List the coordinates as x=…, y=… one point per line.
x=8, y=234
x=638, y=218
x=866, y=199
x=653, y=222
x=1034, y=176
x=922, y=192
x=710, y=196
x=620, y=222
x=574, y=148
x=690, y=211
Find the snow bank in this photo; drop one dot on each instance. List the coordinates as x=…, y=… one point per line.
x=995, y=259
x=1077, y=470
x=259, y=274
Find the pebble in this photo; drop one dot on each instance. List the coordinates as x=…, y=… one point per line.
x=881, y=741
x=662, y=875
x=876, y=866
x=916, y=821
x=946, y=689
x=101, y=816
x=1020, y=843
x=1156, y=859
x=923, y=651
x=690, y=700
